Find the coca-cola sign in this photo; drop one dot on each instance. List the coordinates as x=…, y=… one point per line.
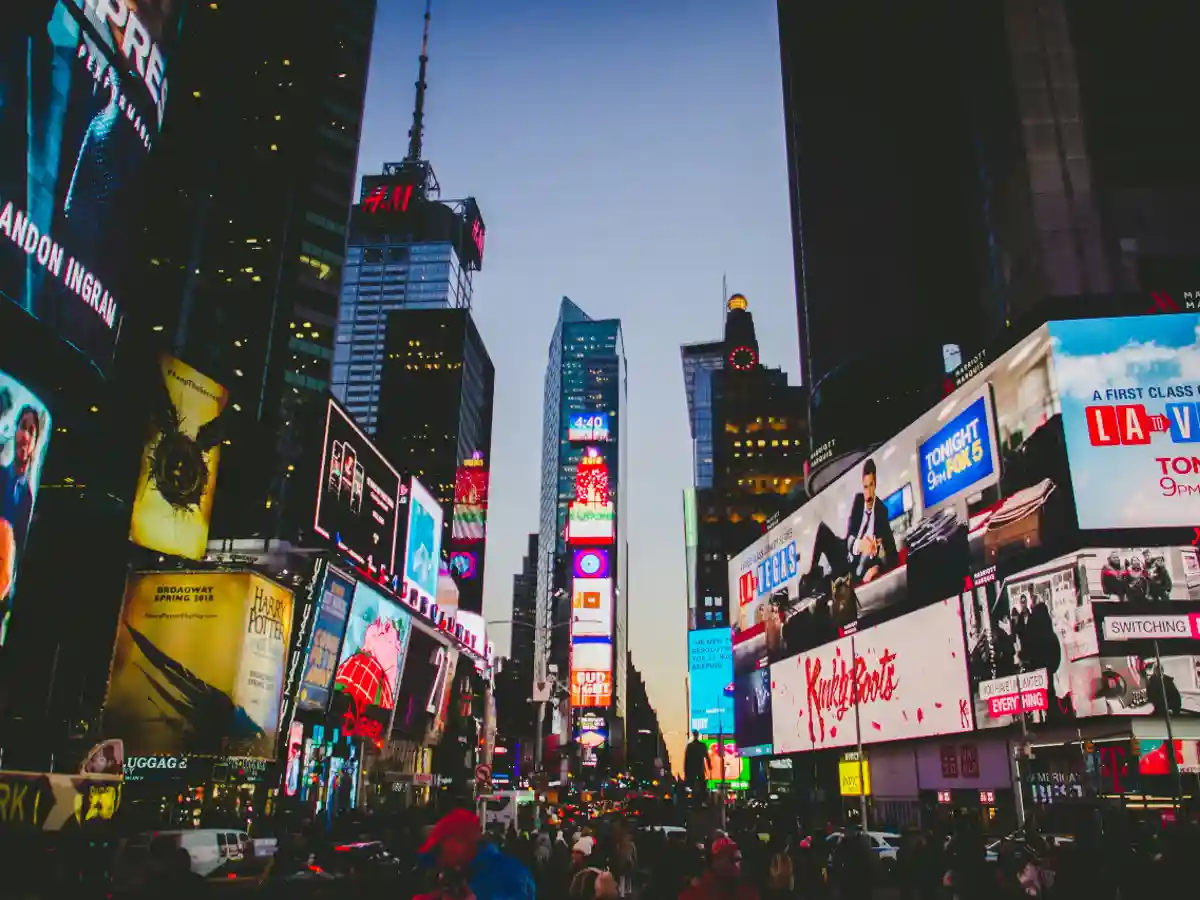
x=908, y=678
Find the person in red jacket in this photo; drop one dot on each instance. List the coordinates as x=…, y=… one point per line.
x=722, y=880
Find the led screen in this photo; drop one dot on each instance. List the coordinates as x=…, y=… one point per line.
x=591, y=688
x=83, y=89
x=710, y=674
x=590, y=524
x=468, y=524
x=736, y=768
x=1131, y=417
x=464, y=565
x=323, y=656
x=423, y=547
x=1074, y=637
x=592, y=734
x=199, y=663
x=590, y=563
x=425, y=659
x=587, y=426
x=24, y=439
x=373, y=651
x=592, y=607
x=912, y=683
x=980, y=477
x=358, y=497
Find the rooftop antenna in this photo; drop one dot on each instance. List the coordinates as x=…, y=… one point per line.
x=724, y=298
x=417, y=132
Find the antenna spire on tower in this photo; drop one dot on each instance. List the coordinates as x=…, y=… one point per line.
x=417, y=132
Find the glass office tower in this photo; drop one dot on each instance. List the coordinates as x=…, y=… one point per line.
x=585, y=375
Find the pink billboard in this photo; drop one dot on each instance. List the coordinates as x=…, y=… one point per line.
x=908, y=676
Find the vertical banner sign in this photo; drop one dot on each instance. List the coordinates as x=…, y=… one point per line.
x=173, y=502
x=301, y=644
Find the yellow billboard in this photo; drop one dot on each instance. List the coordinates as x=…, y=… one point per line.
x=174, y=498
x=848, y=776
x=199, y=664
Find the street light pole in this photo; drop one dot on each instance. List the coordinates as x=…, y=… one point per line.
x=1176, y=780
x=862, y=781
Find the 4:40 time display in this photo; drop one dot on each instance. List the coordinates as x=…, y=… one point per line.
x=777, y=569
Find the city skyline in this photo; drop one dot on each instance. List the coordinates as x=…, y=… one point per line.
x=594, y=84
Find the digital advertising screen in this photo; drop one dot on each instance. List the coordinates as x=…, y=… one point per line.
x=979, y=478
x=912, y=682
x=591, y=524
x=423, y=545
x=358, y=497
x=587, y=426
x=592, y=734
x=464, y=565
x=337, y=592
x=591, y=688
x=198, y=665
x=468, y=523
x=1070, y=638
x=422, y=668
x=292, y=766
x=736, y=767
x=378, y=632
x=1131, y=416
x=84, y=90
x=590, y=563
x=752, y=712
x=24, y=440
x=710, y=675
x=592, y=607
x=172, y=505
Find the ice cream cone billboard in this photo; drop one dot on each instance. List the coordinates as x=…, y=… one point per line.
x=199, y=663
x=173, y=502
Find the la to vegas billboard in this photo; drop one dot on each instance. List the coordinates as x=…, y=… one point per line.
x=1130, y=391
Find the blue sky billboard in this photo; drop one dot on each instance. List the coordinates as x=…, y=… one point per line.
x=710, y=672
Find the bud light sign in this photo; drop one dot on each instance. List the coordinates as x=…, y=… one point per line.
x=957, y=456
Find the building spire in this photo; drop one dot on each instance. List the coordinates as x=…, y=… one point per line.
x=417, y=132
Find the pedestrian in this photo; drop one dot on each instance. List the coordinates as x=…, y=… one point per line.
x=591, y=883
x=781, y=879
x=722, y=879
x=469, y=868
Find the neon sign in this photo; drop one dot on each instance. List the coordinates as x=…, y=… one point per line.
x=388, y=198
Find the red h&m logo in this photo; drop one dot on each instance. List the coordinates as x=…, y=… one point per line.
x=1109, y=426
x=388, y=198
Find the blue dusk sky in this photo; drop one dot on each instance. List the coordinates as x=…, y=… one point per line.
x=626, y=155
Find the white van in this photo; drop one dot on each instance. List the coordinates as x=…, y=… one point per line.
x=209, y=848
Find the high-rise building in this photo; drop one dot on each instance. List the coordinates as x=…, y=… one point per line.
x=755, y=430
x=1029, y=153
x=644, y=735
x=699, y=362
x=582, y=595
x=524, y=614
x=435, y=422
x=408, y=250
x=253, y=177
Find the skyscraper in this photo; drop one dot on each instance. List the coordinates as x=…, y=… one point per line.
x=524, y=615
x=582, y=513
x=253, y=177
x=750, y=431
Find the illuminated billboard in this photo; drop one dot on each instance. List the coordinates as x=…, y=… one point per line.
x=710, y=674
x=590, y=563
x=591, y=688
x=728, y=768
x=588, y=524
x=423, y=544
x=84, y=88
x=592, y=735
x=173, y=502
x=977, y=478
x=1074, y=637
x=587, y=426
x=912, y=683
x=464, y=564
x=24, y=439
x=198, y=664
x=358, y=497
x=468, y=524
x=317, y=678
x=1131, y=417
x=592, y=607
x=373, y=651
x=591, y=479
